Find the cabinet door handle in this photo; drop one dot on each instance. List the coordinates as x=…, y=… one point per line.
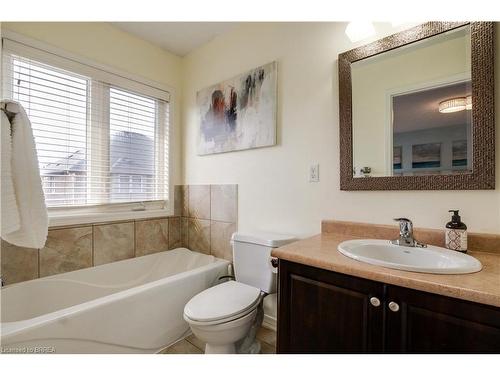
x=393, y=306
x=375, y=301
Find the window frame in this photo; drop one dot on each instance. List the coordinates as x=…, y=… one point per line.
x=75, y=215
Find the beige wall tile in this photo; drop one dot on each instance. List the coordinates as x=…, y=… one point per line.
x=174, y=232
x=113, y=242
x=151, y=236
x=199, y=235
x=18, y=263
x=184, y=232
x=66, y=250
x=180, y=200
x=185, y=200
x=224, y=203
x=199, y=201
x=220, y=239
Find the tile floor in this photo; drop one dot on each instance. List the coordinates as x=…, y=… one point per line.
x=192, y=345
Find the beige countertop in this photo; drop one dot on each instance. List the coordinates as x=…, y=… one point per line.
x=321, y=251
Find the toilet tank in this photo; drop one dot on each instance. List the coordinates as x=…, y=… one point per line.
x=252, y=258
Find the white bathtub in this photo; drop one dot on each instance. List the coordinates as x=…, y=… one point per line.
x=131, y=306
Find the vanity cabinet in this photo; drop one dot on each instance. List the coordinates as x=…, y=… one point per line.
x=321, y=311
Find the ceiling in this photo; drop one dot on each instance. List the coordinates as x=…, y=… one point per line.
x=420, y=110
x=180, y=38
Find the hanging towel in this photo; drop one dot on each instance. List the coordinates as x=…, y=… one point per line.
x=30, y=201
x=9, y=218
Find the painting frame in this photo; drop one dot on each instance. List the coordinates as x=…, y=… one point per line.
x=239, y=113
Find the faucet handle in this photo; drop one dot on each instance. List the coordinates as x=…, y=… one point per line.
x=405, y=226
x=402, y=219
x=406, y=234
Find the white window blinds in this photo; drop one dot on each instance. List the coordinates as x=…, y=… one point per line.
x=97, y=142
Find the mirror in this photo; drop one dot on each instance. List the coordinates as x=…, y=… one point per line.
x=412, y=109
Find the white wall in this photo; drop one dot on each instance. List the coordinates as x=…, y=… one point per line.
x=108, y=45
x=274, y=192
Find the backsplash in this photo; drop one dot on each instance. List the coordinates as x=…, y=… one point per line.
x=205, y=218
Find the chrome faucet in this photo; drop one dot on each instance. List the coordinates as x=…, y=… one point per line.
x=406, y=234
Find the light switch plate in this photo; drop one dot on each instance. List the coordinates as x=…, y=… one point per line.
x=314, y=173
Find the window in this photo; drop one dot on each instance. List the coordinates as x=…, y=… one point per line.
x=98, y=141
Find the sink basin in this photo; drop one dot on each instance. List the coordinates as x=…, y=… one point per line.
x=432, y=259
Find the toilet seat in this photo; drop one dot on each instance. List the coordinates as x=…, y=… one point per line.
x=222, y=303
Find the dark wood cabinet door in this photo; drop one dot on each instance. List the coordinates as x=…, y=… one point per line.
x=325, y=312
x=429, y=323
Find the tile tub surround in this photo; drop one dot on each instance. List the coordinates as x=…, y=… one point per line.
x=321, y=251
x=209, y=216
x=199, y=201
x=57, y=257
x=76, y=247
x=18, y=263
x=203, y=223
x=199, y=238
x=151, y=236
x=113, y=242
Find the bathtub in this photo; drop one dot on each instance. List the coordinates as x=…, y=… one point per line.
x=131, y=306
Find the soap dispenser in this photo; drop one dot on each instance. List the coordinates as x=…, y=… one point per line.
x=456, y=233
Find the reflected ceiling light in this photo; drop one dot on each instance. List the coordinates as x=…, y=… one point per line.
x=456, y=104
x=357, y=31
x=468, y=103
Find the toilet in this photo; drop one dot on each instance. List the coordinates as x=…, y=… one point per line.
x=227, y=316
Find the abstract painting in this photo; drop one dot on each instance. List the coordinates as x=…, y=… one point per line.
x=239, y=113
x=459, y=157
x=397, y=161
x=426, y=156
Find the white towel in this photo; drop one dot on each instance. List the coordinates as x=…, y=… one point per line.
x=27, y=184
x=9, y=218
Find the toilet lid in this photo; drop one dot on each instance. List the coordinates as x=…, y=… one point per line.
x=221, y=301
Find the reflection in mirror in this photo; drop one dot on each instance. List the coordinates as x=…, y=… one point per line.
x=411, y=109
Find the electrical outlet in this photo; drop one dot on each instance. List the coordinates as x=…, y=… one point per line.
x=314, y=173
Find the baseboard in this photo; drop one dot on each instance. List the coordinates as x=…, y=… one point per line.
x=269, y=322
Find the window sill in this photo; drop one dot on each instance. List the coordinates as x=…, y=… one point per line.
x=59, y=220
